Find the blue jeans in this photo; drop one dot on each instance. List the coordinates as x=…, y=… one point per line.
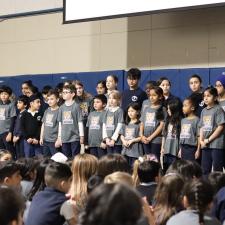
x=31, y=150
x=71, y=149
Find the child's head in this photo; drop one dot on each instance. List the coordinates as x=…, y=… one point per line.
x=133, y=76
x=210, y=96
x=69, y=92
x=165, y=84
x=52, y=98
x=11, y=207
x=101, y=87
x=149, y=85
x=100, y=101
x=111, y=82
x=10, y=174
x=148, y=171
x=217, y=180
x=5, y=93
x=45, y=91
x=35, y=102
x=133, y=112
x=58, y=176
x=79, y=88
x=156, y=95
x=198, y=194
x=174, y=108
x=195, y=83
x=5, y=155
x=114, y=98
x=32, y=90
x=119, y=178
x=25, y=86
x=220, y=85
x=189, y=106
x=22, y=102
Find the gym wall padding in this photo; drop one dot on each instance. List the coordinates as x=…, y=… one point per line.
x=178, y=77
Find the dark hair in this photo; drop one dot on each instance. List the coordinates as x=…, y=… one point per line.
x=196, y=76
x=4, y=152
x=148, y=171
x=56, y=172
x=6, y=89
x=199, y=194
x=59, y=87
x=53, y=92
x=93, y=182
x=194, y=103
x=7, y=169
x=136, y=107
x=102, y=98
x=11, y=205
x=161, y=79
x=111, y=163
x=34, y=89
x=103, y=82
x=175, y=106
x=70, y=87
x=151, y=83
x=28, y=83
x=46, y=89
x=39, y=182
x=213, y=91
x=217, y=180
x=24, y=99
x=112, y=204
x=115, y=78
x=134, y=73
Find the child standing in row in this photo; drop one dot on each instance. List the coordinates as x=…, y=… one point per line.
x=95, y=120
x=71, y=129
x=112, y=124
x=152, y=122
x=49, y=128
x=111, y=84
x=220, y=86
x=130, y=135
x=212, y=132
x=189, y=136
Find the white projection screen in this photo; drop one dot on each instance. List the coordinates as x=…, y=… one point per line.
x=87, y=10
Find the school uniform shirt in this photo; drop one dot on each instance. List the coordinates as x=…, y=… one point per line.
x=94, y=123
x=171, y=145
x=51, y=125
x=17, y=127
x=210, y=119
x=70, y=118
x=130, y=132
x=31, y=124
x=7, y=113
x=112, y=124
x=148, y=118
x=189, y=131
x=129, y=96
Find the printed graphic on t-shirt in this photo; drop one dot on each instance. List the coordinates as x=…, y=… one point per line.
x=223, y=107
x=185, y=131
x=150, y=119
x=2, y=113
x=129, y=133
x=134, y=98
x=49, y=118
x=170, y=134
x=67, y=117
x=207, y=123
x=84, y=109
x=94, y=123
x=110, y=123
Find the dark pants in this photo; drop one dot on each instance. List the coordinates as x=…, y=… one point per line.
x=31, y=150
x=97, y=151
x=130, y=160
x=168, y=159
x=152, y=148
x=19, y=146
x=7, y=145
x=212, y=157
x=115, y=149
x=188, y=152
x=71, y=149
x=49, y=148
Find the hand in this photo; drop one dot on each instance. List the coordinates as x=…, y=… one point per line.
x=35, y=141
x=129, y=143
x=179, y=154
x=143, y=139
x=112, y=143
x=202, y=144
x=107, y=141
x=15, y=139
x=9, y=137
x=148, y=211
x=29, y=140
x=197, y=154
x=58, y=143
x=103, y=145
x=124, y=142
x=41, y=141
x=82, y=140
x=149, y=139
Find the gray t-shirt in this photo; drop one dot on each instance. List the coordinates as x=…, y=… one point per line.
x=210, y=120
x=51, y=125
x=130, y=132
x=189, y=131
x=85, y=106
x=190, y=217
x=7, y=111
x=94, y=123
x=148, y=118
x=171, y=145
x=146, y=103
x=222, y=104
x=69, y=116
x=111, y=120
